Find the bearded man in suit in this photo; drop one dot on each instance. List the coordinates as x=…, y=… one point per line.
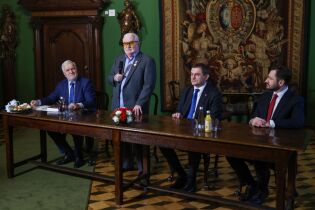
x=78, y=93
x=133, y=77
x=206, y=96
x=277, y=108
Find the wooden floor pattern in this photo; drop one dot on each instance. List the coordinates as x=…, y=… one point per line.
x=102, y=194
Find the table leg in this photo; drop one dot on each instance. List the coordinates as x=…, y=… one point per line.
x=116, y=137
x=8, y=138
x=281, y=183
x=292, y=171
x=43, y=146
x=146, y=164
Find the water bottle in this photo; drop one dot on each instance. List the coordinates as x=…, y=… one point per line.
x=208, y=122
x=201, y=120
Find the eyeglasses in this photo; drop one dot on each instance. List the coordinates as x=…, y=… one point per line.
x=132, y=43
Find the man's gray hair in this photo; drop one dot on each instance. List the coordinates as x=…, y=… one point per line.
x=134, y=36
x=66, y=63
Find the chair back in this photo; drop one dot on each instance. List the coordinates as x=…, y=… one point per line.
x=102, y=100
x=155, y=102
x=174, y=88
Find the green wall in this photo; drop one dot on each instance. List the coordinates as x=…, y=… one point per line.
x=25, y=79
x=148, y=11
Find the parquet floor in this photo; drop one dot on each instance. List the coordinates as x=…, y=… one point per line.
x=102, y=194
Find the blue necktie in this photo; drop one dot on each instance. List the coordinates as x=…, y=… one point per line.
x=193, y=104
x=71, y=97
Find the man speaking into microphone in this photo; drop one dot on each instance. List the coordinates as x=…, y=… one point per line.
x=121, y=67
x=133, y=77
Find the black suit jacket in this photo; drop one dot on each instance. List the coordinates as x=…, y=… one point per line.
x=210, y=99
x=288, y=114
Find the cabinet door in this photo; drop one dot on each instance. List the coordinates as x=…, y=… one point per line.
x=66, y=39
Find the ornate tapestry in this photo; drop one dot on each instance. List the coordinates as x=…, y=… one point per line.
x=237, y=39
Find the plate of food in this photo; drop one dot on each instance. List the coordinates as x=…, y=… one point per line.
x=22, y=108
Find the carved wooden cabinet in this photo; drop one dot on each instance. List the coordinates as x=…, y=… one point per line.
x=65, y=30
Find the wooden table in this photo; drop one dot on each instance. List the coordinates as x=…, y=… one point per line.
x=236, y=140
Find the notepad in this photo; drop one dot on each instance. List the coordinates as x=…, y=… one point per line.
x=41, y=108
x=52, y=109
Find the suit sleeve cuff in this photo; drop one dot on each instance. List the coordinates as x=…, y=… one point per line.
x=81, y=105
x=272, y=123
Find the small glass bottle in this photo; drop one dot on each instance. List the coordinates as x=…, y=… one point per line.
x=62, y=104
x=201, y=119
x=208, y=122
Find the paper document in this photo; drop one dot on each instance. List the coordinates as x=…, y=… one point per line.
x=52, y=109
x=41, y=108
x=47, y=108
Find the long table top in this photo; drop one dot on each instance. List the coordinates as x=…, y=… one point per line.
x=230, y=132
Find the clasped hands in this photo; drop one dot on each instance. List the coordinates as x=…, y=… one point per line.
x=259, y=122
x=74, y=106
x=176, y=115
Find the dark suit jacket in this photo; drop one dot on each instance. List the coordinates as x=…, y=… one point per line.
x=288, y=114
x=139, y=84
x=210, y=99
x=84, y=93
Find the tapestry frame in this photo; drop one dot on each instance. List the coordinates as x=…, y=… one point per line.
x=174, y=68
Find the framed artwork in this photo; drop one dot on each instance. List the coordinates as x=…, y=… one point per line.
x=237, y=39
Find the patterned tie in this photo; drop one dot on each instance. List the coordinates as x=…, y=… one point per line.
x=127, y=69
x=71, y=96
x=271, y=106
x=121, y=98
x=193, y=104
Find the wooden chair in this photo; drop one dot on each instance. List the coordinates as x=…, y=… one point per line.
x=102, y=101
x=174, y=88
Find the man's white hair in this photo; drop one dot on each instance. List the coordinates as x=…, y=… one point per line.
x=66, y=63
x=133, y=35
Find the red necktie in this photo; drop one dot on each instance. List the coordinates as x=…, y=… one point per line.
x=271, y=106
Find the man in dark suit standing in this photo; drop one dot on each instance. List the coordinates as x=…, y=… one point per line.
x=78, y=93
x=278, y=107
x=200, y=94
x=133, y=79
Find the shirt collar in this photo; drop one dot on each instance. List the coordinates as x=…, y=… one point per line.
x=281, y=92
x=132, y=57
x=69, y=82
x=201, y=87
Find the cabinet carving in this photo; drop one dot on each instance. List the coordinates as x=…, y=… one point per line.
x=65, y=30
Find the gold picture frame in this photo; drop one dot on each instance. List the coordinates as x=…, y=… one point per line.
x=246, y=36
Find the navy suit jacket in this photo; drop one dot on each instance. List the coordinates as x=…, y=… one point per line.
x=210, y=99
x=288, y=114
x=84, y=93
x=139, y=84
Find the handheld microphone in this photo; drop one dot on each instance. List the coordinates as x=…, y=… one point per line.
x=121, y=67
